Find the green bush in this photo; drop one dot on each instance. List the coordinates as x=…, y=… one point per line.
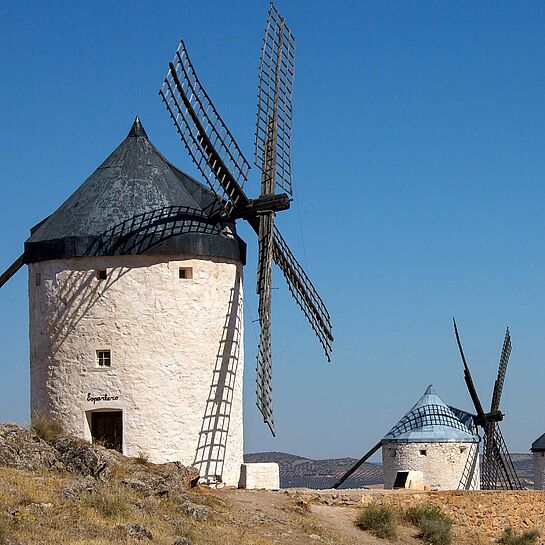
x=435, y=527
x=46, y=428
x=510, y=537
x=378, y=520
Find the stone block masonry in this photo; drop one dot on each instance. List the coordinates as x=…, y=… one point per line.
x=483, y=511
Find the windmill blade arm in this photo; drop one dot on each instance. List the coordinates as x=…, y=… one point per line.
x=505, y=474
x=207, y=139
x=467, y=376
x=502, y=368
x=355, y=467
x=304, y=292
x=264, y=353
x=274, y=102
x=12, y=269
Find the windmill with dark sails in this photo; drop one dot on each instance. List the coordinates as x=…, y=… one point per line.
x=497, y=469
x=219, y=159
x=156, y=211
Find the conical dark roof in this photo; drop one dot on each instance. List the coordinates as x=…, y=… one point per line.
x=135, y=181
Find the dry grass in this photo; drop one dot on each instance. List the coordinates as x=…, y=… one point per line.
x=46, y=428
x=510, y=537
x=34, y=511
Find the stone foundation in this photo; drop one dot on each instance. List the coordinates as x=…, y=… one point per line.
x=483, y=512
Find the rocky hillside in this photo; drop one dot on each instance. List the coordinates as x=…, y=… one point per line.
x=65, y=491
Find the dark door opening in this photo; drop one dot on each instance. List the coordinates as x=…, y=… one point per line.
x=401, y=479
x=107, y=429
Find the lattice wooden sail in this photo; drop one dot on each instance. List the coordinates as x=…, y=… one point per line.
x=274, y=104
x=207, y=139
x=218, y=157
x=497, y=469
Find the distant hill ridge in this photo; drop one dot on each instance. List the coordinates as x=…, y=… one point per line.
x=297, y=471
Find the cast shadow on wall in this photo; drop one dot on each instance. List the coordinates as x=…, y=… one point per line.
x=213, y=437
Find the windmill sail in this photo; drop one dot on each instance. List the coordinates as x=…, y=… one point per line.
x=274, y=103
x=504, y=360
x=304, y=293
x=207, y=139
x=214, y=151
x=498, y=471
x=264, y=352
x=12, y=269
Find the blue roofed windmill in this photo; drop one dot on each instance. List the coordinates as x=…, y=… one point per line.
x=434, y=438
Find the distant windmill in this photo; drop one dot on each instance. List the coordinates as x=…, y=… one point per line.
x=497, y=469
x=214, y=151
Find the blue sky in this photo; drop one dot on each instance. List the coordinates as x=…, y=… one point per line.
x=419, y=137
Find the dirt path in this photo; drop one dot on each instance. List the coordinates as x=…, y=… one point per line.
x=280, y=520
x=276, y=518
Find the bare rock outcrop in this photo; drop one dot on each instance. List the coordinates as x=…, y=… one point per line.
x=86, y=459
x=21, y=448
x=135, y=531
x=163, y=480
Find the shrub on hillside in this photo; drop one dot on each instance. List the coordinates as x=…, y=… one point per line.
x=109, y=505
x=378, y=520
x=46, y=428
x=435, y=527
x=510, y=537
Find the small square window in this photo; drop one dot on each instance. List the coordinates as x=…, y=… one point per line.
x=185, y=273
x=423, y=452
x=104, y=358
x=462, y=449
x=102, y=274
x=38, y=279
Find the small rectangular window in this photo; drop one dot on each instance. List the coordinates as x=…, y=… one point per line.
x=38, y=279
x=423, y=452
x=104, y=358
x=102, y=274
x=185, y=273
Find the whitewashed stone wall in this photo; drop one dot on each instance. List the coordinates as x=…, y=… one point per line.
x=260, y=476
x=539, y=470
x=442, y=465
x=176, y=346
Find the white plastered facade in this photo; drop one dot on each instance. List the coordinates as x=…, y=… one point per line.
x=441, y=463
x=176, y=354
x=539, y=470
